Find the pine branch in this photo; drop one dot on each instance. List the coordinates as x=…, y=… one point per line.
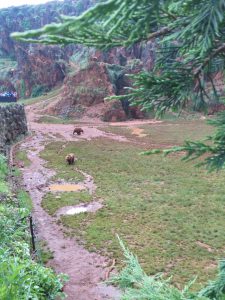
x=136, y=284
x=213, y=54
x=161, y=32
x=214, y=148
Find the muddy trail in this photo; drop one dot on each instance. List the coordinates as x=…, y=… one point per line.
x=87, y=271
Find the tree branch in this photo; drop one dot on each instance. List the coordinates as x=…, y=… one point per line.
x=207, y=60
x=160, y=32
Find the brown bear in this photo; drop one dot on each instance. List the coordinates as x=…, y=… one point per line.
x=78, y=131
x=70, y=159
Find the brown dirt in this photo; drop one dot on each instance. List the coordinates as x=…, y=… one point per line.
x=138, y=132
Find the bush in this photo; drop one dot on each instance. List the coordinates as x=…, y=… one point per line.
x=21, y=278
x=38, y=90
x=137, y=285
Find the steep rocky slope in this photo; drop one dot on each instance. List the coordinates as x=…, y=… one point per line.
x=83, y=93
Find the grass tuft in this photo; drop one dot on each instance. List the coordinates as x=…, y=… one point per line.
x=53, y=201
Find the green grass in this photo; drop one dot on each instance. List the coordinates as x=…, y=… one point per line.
x=4, y=187
x=24, y=200
x=44, y=254
x=47, y=97
x=160, y=206
x=21, y=155
x=55, y=156
x=55, y=120
x=165, y=133
x=53, y=201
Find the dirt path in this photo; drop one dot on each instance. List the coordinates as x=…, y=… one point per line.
x=86, y=270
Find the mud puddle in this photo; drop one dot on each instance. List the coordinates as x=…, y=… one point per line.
x=81, y=208
x=138, y=131
x=66, y=188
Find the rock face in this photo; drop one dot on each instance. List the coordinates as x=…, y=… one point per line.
x=89, y=87
x=113, y=112
x=13, y=123
x=143, y=52
x=86, y=88
x=39, y=68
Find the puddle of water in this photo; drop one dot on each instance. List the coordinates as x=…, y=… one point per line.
x=66, y=187
x=81, y=208
x=138, y=132
x=76, y=210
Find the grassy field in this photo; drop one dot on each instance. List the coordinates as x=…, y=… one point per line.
x=48, y=97
x=53, y=201
x=170, y=213
x=165, y=133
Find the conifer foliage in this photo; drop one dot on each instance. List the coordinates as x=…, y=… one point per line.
x=138, y=285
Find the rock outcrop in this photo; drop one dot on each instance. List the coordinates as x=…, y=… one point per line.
x=13, y=123
x=89, y=87
x=86, y=88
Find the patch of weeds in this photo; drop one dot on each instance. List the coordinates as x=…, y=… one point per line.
x=16, y=172
x=21, y=155
x=4, y=187
x=24, y=200
x=55, y=120
x=53, y=201
x=50, y=96
x=44, y=253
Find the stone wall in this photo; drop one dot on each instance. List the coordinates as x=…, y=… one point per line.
x=13, y=123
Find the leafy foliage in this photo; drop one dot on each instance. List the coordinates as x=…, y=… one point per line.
x=38, y=90
x=20, y=276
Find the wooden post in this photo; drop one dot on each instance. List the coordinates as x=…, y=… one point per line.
x=32, y=234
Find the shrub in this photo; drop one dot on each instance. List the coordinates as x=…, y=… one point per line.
x=38, y=90
x=21, y=278
x=137, y=285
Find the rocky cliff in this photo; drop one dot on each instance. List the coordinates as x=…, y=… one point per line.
x=33, y=69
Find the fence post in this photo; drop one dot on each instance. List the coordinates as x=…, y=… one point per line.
x=32, y=234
